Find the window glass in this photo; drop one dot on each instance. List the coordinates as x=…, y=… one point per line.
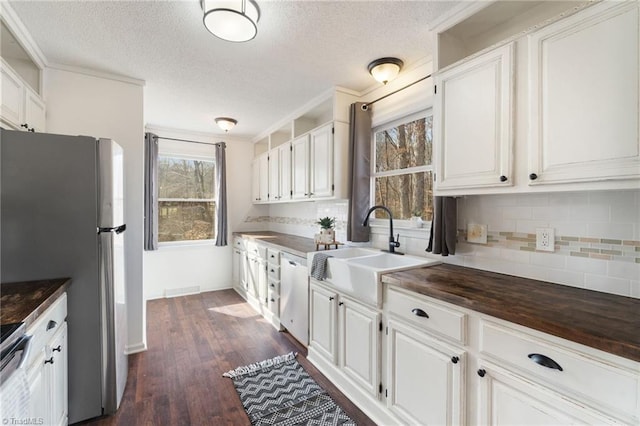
x=186, y=199
x=403, y=167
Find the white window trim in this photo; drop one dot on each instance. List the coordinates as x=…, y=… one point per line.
x=403, y=224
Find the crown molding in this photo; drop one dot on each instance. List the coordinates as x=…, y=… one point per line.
x=14, y=23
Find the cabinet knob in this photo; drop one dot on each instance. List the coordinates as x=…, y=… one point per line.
x=533, y=176
x=272, y=285
x=503, y=178
x=49, y=361
x=419, y=312
x=58, y=349
x=331, y=297
x=51, y=324
x=273, y=300
x=545, y=361
x=25, y=125
x=481, y=372
x=341, y=303
x=455, y=359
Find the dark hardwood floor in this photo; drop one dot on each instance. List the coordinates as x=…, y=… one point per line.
x=192, y=340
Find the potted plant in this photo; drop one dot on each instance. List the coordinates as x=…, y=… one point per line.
x=327, y=234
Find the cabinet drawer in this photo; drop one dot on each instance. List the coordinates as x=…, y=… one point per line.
x=273, y=256
x=273, y=272
x=601, y=382
x=239, y=243
x=44, y=328
x=427, y=315
x=256, y=249
x=274, y=286
x=273, y=303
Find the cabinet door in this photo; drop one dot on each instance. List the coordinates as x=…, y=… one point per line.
x=360, y=344
x=274, y=175
x=253, y=276
x=321, y=164
x=425, y=378
x=34, y=110
x=263, y=165
x=12, y=88
x=473, y=122
x=585, y=111
x=255, y=181
x=506, y=398
x=38, y=392
x=284, y=159
x=322, y=330
x=57, y=371
x=239, y=269
x=300, y=168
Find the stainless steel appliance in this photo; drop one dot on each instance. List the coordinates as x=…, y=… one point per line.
x=294, y=296
x=61, y=215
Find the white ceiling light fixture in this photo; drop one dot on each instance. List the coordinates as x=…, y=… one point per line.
x=226, y=123
x=385, y=69
x=231, y=20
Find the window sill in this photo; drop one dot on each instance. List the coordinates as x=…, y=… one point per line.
x=190, y=243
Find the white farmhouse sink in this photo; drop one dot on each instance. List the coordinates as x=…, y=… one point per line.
x=357, y=271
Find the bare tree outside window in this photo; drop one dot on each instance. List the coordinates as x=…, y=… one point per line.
x=403, y=168
x=186, y=199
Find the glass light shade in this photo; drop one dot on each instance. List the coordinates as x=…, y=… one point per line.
x=231, y=20
x=226, y=123
x=386, y=69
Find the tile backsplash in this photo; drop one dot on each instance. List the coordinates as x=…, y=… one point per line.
x=597, y=235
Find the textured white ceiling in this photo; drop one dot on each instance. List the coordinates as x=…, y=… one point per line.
x=302, y=49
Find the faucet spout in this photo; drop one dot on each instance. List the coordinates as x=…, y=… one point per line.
x=393, y=243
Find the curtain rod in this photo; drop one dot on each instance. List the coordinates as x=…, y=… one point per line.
x=366, y=106
x=186, y=140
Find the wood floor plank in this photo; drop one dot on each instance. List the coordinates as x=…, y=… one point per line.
x=191, y=341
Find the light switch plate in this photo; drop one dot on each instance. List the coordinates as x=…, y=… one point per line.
x=477, y=233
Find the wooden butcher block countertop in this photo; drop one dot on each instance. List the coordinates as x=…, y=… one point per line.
x=26, y=301
x=293, y=244
x=603, y=321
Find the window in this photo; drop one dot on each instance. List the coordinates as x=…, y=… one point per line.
x=186, y=199
x=403, y=173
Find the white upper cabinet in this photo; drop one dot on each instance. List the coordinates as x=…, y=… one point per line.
x=473, y=122
x=22, y=108
x=260, y=179
x=584, y=96
x=321, y=162
x=274, y=175
x=284, y=167
x=300, y=168
x=538, y=96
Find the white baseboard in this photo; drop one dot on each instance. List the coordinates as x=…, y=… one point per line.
x=181, y=291
x=136, y=348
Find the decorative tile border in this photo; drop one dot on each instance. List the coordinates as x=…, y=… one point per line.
x=587, y=247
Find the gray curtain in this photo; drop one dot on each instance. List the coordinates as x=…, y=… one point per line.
x=150, y=191
x=444, y=226
x=221, y=192
x=359, y=172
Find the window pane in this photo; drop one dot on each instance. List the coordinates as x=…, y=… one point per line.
x=185, y=220
x=182, y=178
x=406, y=195
x=406, y=145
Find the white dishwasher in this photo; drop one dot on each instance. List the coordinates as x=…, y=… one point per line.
x=294, y=296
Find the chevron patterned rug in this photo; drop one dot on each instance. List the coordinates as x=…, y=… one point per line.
x=278, y=391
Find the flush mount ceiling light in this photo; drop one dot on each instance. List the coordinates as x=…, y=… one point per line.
x=231, y=20
x=226, y=123
x=385, y=69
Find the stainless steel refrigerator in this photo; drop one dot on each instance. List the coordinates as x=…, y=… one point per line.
x=61, y=215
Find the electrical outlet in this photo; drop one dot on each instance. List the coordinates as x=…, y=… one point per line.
x=545, y=239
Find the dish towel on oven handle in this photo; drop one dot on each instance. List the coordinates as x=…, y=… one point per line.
x=319, y=266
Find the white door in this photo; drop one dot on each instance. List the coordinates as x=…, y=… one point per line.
x=473, y=120
x=360, y=344
x=284, y=159
x=58, y=376
x=322, y=327
x=322, y=162
x=300, y=168
x=585, y=111
x=508, y=399
x=425, y=378
x=274, y=175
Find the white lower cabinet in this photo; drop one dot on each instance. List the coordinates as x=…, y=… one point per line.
x=425, y=377
x=47, y=365
x=505, y=398
x=322, y=324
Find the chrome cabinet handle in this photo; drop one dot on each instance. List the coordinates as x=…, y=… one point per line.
x=545, y=361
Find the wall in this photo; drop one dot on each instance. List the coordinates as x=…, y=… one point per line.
x=82, y=104
x=184, y=268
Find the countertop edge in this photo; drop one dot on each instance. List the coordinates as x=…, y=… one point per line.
x=33, y=316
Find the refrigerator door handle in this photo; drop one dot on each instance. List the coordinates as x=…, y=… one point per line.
x=117, y=229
